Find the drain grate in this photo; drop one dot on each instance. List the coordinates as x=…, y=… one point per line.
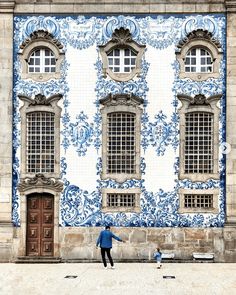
x=168, y=277
x=71, y=277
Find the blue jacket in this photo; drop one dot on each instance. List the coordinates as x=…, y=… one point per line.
x=157, y=255
x=105, y=239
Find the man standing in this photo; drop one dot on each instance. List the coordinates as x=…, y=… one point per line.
x=105, y=242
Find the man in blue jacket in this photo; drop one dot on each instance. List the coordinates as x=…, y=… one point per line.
x=105, y=242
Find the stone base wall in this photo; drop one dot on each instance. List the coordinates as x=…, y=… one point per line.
x=6, y=242
x=80, y=243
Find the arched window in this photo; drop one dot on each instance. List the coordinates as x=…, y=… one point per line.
x=42, y=60
x=41, y=57
x=198, y=60
x=199, y=56
x=122, y=60
x=121, y=56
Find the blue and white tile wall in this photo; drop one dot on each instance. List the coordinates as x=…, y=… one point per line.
x=82, y=85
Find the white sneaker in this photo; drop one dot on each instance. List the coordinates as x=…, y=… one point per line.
x=105, y=267
x=113, y=267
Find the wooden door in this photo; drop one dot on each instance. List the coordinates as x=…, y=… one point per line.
x=39, y=240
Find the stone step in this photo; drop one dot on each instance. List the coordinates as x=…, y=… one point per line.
x=37, y=259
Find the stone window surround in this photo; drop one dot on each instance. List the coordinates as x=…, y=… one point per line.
x=121, y=38
x=190, y=104
x=214, y=192
x=136, y=191
x=40, y=104
x=120, y=103
x=40, y=39
x=199, y=39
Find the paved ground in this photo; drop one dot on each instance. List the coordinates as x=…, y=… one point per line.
x=126, y=279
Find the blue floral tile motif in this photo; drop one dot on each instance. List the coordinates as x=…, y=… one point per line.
x=81, y=133
x=160, y=133
x=82, y=206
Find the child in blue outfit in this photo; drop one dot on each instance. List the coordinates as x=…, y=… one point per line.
x=157, y=255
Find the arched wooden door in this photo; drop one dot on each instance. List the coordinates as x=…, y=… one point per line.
x=40, y=224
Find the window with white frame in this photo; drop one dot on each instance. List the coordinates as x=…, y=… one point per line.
x=121, y=56
x=41, y=57
x=42, y=60
x=40, y=142
x=122, y=60
x=198, y=142
x=199, y=137
x=199, y=56
x=198, y=60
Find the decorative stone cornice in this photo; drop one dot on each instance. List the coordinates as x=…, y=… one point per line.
x=121, y=36
x=7, y=6
x=199, y=99
x=199, y=35
x=40, y=99
x=40, y=181
x=121, y=99
x=230, y=5
x=41, y=35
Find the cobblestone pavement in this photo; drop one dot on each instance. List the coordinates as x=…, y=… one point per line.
x=125, y=279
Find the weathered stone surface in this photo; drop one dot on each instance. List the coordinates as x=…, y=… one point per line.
x=74, y=238
x=138, y=236
x=194, y=234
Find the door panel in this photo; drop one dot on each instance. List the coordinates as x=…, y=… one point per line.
x=40, y=225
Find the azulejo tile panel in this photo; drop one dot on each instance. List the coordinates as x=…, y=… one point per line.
x=81, y=162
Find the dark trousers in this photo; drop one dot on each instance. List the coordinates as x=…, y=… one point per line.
x=103, y=253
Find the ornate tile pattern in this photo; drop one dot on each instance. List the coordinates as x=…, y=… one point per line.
x=81, y=122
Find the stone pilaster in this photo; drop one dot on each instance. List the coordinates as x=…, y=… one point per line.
x=231, y=110
x=6, y=77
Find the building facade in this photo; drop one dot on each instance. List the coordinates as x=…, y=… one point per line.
x=118, y=114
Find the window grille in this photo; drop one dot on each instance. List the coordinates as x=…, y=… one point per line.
x=121, y=156
x=40, y=142
x=198, y=201
x=115, y=200
x=42, y=61
x=122, y=60
x=198, y=143
x=198, y=60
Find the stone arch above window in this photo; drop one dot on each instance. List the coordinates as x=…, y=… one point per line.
x=121, y=56
x=41, y=56
x=199, y=137
x=40, y=136
x=121, y=129
x=199, y=56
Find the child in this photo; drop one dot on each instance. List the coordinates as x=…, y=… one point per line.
x=157, y=255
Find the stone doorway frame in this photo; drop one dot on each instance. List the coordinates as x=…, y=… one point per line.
x=38, y=184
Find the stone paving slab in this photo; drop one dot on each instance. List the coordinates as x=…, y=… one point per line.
x=126, y=279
